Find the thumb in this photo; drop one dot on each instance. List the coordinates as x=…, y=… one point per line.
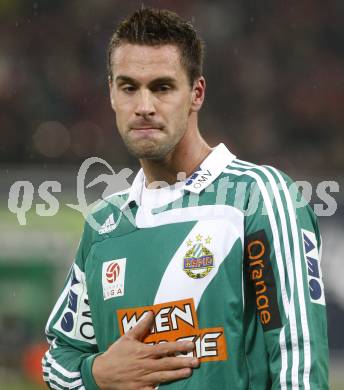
x=143, y=327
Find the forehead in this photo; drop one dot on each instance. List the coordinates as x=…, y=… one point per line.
x=140, y=61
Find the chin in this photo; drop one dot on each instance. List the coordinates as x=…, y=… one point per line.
x=149, y=151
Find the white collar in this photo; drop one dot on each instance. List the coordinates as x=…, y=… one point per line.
x=208, y=171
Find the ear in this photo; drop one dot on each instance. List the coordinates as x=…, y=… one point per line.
x=198, y=94
x=112, y=101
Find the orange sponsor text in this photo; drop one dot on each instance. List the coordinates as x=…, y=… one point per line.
x=177, y=321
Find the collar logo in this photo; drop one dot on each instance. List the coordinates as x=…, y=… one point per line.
x=199, y=178
x=198, y=260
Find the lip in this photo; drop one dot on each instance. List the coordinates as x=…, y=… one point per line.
x=145, y=131
x=145, y=128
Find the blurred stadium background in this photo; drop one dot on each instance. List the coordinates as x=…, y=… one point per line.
x=275, y=95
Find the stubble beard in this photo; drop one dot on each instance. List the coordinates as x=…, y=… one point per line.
x=148, y=150
x=152, y=149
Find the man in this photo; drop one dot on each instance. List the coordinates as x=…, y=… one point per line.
x=210, y=281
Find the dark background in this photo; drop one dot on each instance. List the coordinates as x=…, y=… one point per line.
x=275, y=74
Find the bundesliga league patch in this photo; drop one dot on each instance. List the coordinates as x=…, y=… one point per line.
x=177, y=321
x=113, y=275
x=198, y=260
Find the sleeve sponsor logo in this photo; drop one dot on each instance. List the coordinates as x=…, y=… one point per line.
x=314, y=276
x=258, y=266
x=177, y=321
x=113, y=277
x=75, y=320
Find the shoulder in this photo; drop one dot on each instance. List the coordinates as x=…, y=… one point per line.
x=262, y=186
x=112, y=202
x=104, y=215
x=262, y=175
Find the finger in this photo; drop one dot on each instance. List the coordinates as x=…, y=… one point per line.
x=143, y=327
x=169, y=376
x=173, y=363
x=172, y=348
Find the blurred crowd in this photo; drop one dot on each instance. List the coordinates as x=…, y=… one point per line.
x=274, y=71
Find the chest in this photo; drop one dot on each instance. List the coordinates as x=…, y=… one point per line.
x=184, y=260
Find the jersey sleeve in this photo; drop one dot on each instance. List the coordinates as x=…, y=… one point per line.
x=282, y=260
x=69, y=330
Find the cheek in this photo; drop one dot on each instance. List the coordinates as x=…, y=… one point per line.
x=179, y=119
x=123, y=112
x=121, y=121
x=184, y=111
x=122, y=105
x=180, y=110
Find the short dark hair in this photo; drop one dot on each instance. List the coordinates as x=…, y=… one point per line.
x=155, y=27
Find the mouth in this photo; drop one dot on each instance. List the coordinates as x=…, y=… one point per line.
x=146, y=128
x=145, y=131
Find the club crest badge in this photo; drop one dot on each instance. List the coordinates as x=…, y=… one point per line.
x=198, y=260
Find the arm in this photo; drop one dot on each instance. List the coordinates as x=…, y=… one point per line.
x=282, y=257
x=68, y=363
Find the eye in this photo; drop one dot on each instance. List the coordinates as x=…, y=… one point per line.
x=165, y=87
x=162, y=88
x=127, y=88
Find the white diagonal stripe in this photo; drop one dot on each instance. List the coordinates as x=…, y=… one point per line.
x=205, y=215
x=60, y=369
x=61, y=382
x=53, y=385
x=146, y=219
x=225, y=232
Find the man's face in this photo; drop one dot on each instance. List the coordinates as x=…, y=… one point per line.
x=152, y=98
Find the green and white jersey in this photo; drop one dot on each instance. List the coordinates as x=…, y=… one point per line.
x=230, y=260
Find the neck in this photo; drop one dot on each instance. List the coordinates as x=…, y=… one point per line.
x=185, y=157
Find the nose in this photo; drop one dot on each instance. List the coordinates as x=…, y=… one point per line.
x=145, y=106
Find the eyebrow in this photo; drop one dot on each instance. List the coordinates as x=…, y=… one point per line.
x=125, y=79
x=159, y=80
